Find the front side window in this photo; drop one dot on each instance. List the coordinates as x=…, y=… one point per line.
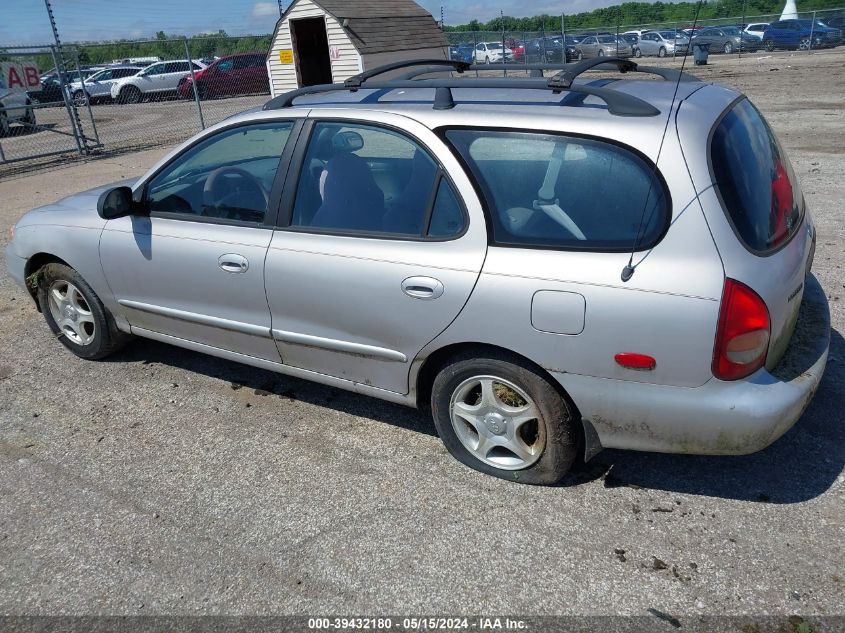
x=546, y=190
x=360, y=178
x=228, y=176
x=755, y=180
x=154, y=70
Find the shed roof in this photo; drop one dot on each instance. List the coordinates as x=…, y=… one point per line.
x=383, y=26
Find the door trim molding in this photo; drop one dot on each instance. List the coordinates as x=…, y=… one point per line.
x=200, y=319
x=335, y=345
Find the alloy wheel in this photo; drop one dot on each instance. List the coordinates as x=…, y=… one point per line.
x=497, y=422
x=71, y=312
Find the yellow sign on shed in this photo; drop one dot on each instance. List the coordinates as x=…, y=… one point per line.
x=286, y=56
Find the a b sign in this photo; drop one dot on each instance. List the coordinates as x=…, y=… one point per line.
x=19, y=76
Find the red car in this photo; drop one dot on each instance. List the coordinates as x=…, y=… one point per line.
x=241, y=74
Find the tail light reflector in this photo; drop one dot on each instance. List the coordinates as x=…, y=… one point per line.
x=742, y=339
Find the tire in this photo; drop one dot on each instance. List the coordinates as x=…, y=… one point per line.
x=638, y=53
x=804, y=44
x=579, y=55
x=5, y=126
x=661, y=52
x=29, y=119
x=487, y=60
x=75, y=314
x=769, y=45
x=601, y=53
x=728, y=48
x=129, y=94
x=545, y=444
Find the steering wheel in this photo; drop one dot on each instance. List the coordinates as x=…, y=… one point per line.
x=212, y=200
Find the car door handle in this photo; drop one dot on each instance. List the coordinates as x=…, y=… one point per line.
x=422, y=287
x=233, y=263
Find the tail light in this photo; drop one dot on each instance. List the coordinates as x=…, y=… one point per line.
x=742, y=339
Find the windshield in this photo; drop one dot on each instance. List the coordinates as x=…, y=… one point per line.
x=607, y=39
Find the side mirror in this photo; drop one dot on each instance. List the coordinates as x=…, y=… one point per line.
x=116, y=203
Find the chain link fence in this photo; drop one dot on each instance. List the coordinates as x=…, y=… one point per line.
x=733, y=36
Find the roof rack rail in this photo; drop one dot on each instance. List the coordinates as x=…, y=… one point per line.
x=573, y=69
x=618, y=103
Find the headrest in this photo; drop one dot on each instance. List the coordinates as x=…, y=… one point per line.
x=347, y=141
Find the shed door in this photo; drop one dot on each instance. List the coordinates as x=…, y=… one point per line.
x=311, y=49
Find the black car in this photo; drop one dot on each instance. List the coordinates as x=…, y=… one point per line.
x=49, y=92
x=542, y=50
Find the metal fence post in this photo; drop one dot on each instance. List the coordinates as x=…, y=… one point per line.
x=194, y=84
x=88, y=105
x=504, y=59
x=563, y=33
x=60, y=69
x=812, y=32
x=742, y=29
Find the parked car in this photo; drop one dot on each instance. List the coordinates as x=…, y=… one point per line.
x=15, y=107
x=491, y=53
x=756, y=29
x=550, y=49
x=241, y=74
x=97, y=87
x=663, y=43
x=724, y=39
x=602, y=46
x=49, y=92
x=473, y=261
x=634, y=40
x=156, y=80
x=517, y=51
x=800, y=34
x=835, y=22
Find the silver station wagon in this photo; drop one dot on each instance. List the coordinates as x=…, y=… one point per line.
x=551, y=265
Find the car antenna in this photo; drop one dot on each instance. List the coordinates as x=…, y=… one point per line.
x=629, y=269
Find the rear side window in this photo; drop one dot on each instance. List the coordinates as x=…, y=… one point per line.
x=544, y=190
x=755, y=180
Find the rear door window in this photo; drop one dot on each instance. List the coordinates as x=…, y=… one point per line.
x=755, y=180
x=548, y=190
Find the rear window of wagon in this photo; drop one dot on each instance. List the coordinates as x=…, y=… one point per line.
x=755, y=180
x=555, y=191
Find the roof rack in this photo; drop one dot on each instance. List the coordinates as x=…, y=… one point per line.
x=618, y=103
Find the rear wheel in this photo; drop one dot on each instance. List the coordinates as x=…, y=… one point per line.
x=29, y=119
x=662, y=52
x=75, y=314
x=638, y=52
x=601, y=53
x=579, y=55
x=769, y=45
x=729, y=48
x=129, y=94
x=501, y=416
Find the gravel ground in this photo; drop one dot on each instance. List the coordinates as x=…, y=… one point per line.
x=166, y=482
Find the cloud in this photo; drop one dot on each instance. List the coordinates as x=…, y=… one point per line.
x=265, y=10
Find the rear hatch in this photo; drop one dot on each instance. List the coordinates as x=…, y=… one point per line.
x=774, y=239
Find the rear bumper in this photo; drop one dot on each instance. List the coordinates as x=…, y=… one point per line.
x=718, y=418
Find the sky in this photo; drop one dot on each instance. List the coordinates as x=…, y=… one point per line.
x=25, y=21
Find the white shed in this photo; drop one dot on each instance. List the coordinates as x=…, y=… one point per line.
x=327, y=41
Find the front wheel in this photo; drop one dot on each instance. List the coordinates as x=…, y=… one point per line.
x=501, y=416
x=579, y=56
x=638, y=52
x=601, y=53
x=79, y=98
x=804, y=44
x=130, y=94
x=75, y=314
x=728, y=48
x=662, y=52
x=769, y=45
x=5, y=126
